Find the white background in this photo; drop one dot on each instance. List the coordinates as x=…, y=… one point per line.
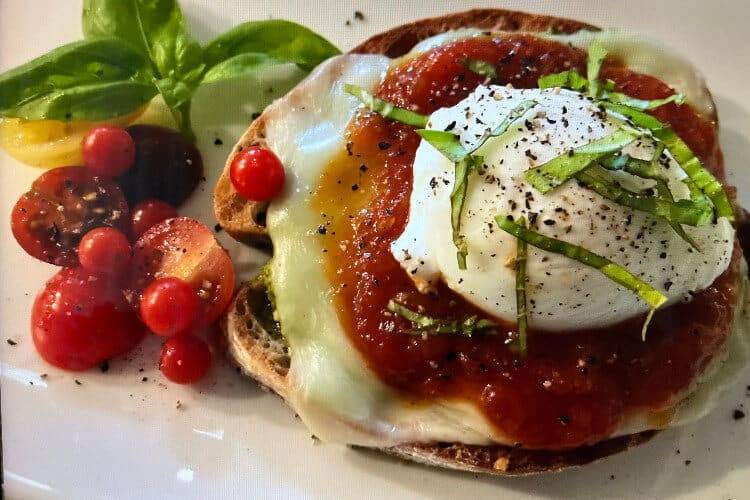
x=116, y=436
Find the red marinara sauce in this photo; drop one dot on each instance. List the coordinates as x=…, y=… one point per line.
x=569, y=390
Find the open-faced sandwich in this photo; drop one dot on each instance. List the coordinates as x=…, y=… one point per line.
x=502, y=244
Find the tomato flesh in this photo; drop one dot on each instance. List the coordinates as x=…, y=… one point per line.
x=80, y=319
x=184, y=359
x=62, y=206
x=186, y=249
x=257, y=173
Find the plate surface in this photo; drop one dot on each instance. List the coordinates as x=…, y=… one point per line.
x=121, y=434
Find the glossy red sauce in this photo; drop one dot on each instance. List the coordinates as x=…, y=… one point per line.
x=569, y=390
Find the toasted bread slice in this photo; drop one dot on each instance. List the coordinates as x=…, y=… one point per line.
x=253, y=339
x=244, y=220
x=255, y=344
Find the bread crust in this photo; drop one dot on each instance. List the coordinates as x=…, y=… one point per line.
x=264, y=359
x=244, y=220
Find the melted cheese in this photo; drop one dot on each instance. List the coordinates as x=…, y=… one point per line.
x=332, y=390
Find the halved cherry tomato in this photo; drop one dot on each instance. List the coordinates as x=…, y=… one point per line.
x=169, y=306
x=108, y=151
x=184, y=359
x=80, y=319
x=186, y=249
x=149, y=213
x=52, y=143
x=105, y=250
x=63, y=205
x=257, y=173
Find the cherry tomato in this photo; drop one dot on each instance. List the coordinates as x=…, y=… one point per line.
x=80, y=319
x=169, y=306
x=105, y=250
x=257, y=173
x=148, y=214
x=108, y=151
x=63, y=205
x=167, y=166
x=186, y=249
x=184, y=359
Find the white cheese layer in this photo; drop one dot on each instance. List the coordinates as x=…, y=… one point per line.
x=563, y=294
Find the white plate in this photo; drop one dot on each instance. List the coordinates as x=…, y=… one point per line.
x=116, y=436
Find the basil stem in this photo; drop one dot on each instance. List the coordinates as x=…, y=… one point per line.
x=555, y=172
x=522, y=316
x=613, y=271
x=696, y=172
x=481, y=68
x=424, y=324
x=680, y=212
x=386, y=109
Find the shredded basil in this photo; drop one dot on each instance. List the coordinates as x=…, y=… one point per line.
x=481, y=68
x=596, y=55
x=555, y=172
x=522, y=316
x=570, y=79
x=641, y=104
x=447, y=143
x=386, y=109
x=423, y=324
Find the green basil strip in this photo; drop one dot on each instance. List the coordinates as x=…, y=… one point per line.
x=386, y=109
x=696, y=172
x=424, y=324
x=678, y=212
x=514, y=115
x=277, y=38
x=613, y=271
x=596, y=55
x=522, y=314
x=481, y=68
x=50, y=86
x=458, y=197
x=555, y=172
x=570, y=79
x=641, y=104
x=447, y=143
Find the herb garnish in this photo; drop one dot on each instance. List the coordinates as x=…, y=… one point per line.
x=136, y=49
x=481, y=68
x=613, y=271
x=522, y=316
x=386, y=109
x=424, y=325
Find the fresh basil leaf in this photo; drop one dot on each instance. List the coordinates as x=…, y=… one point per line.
x=68, y=82
x=277, y=38
x=239, y=66
x=570, y=79
x=560, y=169
x=596, y=55
x=155, y=27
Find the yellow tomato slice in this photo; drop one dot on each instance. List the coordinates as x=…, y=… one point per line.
x=51, y=143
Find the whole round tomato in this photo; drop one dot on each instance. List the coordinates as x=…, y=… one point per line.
x=186, y=249
x=184, y=359
x=257, y=173
x=149, y=213
x=108, y=151
x=80, y=319
x=62, y=206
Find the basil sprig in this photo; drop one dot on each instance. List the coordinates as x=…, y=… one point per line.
x=136, y=49
x=424, y=325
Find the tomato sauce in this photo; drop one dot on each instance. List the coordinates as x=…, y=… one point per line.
x=569, y=390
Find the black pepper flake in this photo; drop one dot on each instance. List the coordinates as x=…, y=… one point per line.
x=663, y=255
x=11, y=342
x=359, y=16
x=667, y=285
x=549, y=222
x=217, y=228
x=384, y=145
x=355, y=187
x=321, y=229
x=218, y=142
x=255, y=115
x=144, y=379
x=564, y=419
x=78, y=382
x=363, y=168
x=349, y=148
x=529, y=154
x=450, y=126
x=688, y=462
x=738, y=414
x=104, y=367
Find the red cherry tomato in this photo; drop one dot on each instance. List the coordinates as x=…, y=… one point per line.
x=108, y=151
x=63, y=205
x=169, y=306
x=148, y=214
x=105, y=250
x=80, y=319
x=184, y=359
x=257, y=173
x=186, y=249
